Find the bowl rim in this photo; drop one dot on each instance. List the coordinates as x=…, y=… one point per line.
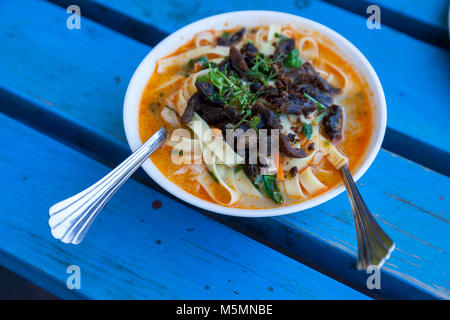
x=131, y=112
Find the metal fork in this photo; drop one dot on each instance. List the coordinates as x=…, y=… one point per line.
x=374, y=245
x=70, y=219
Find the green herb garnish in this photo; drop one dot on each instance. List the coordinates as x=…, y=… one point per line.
x=170, y=108
x=319, y=118
x=307, y=130
x=280, y=36
x=232, y=90
x=219, y=80
x=213, y=176
x=254, y=121
x=248, y=112
x=203, y=62
x=268, y=184
x=319, y=105
x=293, y=60
x=261, y=69
x=258, y=76
x=203, y=78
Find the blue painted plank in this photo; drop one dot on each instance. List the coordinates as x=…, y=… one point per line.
x=413, y=85
x=132, y=250
x=433, y=13
x=424, y=20
x=302, y=235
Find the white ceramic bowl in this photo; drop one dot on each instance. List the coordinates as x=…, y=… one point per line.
x=249, y=19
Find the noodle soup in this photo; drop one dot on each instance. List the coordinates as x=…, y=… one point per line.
x=255, y=80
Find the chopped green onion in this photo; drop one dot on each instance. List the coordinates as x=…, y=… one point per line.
x=319, y=118
x=213, y=176
x=307, y=130
x=170, y=108
x=318, y=104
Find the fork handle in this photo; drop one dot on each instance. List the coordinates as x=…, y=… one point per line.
x=374, y=245
x=71, y=218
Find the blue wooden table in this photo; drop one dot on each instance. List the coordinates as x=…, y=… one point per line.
x=61, y=94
